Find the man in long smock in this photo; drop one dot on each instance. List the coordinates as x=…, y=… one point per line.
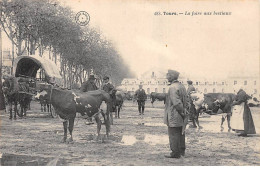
x=175, y=109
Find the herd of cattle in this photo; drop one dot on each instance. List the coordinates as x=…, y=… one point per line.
x=99, y=104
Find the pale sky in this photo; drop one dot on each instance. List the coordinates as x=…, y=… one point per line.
x=197, y=45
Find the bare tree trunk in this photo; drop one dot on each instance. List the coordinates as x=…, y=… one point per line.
x=12, y=58
x=2, y=100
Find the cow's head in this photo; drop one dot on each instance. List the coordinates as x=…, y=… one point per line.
x=42, y=93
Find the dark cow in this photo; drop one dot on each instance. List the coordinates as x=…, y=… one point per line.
x=212, y=102
x=158, y=96
x=129, y=95
x=120, y=96
x=67, y=102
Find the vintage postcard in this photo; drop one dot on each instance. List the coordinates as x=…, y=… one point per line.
x=129, y=83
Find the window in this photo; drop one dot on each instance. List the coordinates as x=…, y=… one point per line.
x=205, y=90
x=255, y=91
x=214, y=83
x=214, y=90
x=254, y=82
x=235, y=82
x=197, y=83
x=164, y=91
x=245, y=82
x=223, y=83
x=156, y=90
x=205, y=83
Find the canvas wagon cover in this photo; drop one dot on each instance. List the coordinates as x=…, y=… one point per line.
x=29, y=65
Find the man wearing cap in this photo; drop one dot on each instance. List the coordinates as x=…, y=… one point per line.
x=89, y=85
x=140, y=96
x=192, y=110
x=175, y=113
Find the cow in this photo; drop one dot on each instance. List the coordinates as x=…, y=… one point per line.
x=212, y=102
x=120, y=96
x=158, y=96
x=67, y=103
x=129, y=95
x=253, y=101
x=44, y=100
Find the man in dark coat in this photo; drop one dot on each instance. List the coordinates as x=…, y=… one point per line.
x=108, y=87
x=249, y=127
x=140, y=96
x=175, y=113
x=193, y=114
x=89, y=85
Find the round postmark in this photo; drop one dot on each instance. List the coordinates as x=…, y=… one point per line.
x=82, y=18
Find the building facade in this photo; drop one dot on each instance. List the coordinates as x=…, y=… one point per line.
x=156, y=82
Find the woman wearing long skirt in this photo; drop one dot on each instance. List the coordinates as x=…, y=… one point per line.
x=242, y=120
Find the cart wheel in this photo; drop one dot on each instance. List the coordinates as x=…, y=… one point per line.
x=19, y=110
x=53, y=113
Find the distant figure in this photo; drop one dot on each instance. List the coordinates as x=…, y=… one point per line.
x=241, y=119
x=175, y=114
x=89, y=85
x=193, y=114
x=141, y=97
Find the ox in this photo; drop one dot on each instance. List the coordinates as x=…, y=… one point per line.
x=212, y=102
x=67, y=103
x=120, y=96
x=253, y=101
x=158, y=96
x=44, y=100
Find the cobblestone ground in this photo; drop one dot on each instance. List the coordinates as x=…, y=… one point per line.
x=35, y=140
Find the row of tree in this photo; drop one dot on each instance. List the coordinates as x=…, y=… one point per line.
x=40, y=25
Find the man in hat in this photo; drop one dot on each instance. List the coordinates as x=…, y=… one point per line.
x=89, y=85
x=175, y=113
x=140, y=96
x=194, y=116
x=107, y=86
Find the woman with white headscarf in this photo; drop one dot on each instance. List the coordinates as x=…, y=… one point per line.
x=242, y=120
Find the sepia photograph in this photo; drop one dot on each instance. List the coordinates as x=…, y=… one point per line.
x=129, y=83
